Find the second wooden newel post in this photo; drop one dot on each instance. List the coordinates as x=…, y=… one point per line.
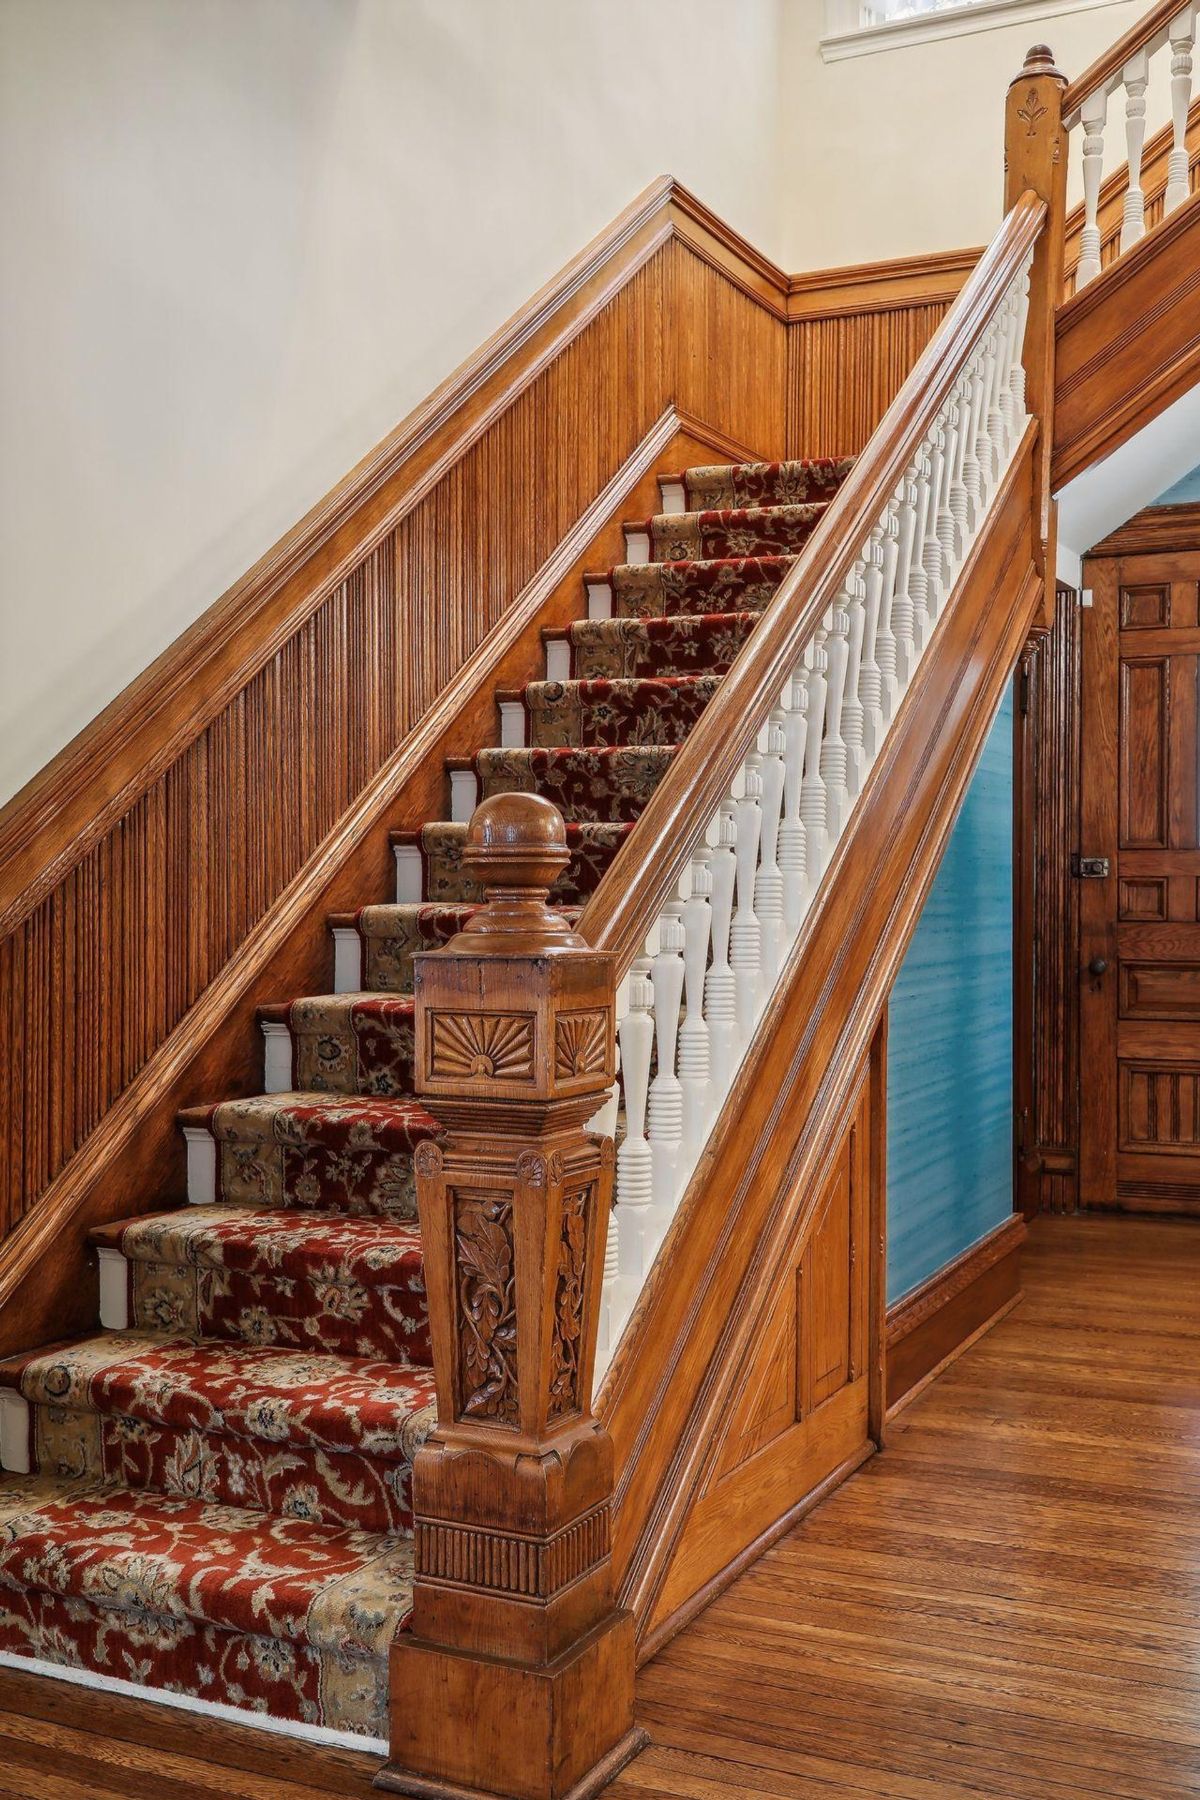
x=517, y=1676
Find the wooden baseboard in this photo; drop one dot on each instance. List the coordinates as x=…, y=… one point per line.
x=935, y=1323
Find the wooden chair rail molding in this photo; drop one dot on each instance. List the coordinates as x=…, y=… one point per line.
x=312, y=705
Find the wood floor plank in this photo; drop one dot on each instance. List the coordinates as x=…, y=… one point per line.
x=1004, y=1605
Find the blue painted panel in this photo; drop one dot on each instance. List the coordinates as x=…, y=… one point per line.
x=950, y=1046
x=1185, y=492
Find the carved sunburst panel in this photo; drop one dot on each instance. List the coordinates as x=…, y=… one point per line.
x=496, y=1046
x=580, y=1044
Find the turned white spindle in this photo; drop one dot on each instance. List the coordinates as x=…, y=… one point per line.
x=1012, y=350
x=997, y=429
x=853, y=716
x=903, y=614
x=1092, y=114
x=984, y=461
x=812, y=788
x=885, y=636
x=834, y=760
x=960, y=500
x=870, y=676
x=694, y=1059
x=1135, y=76
x=768, y=886
x=934, y=555
x=720, y=988
x=745, y=932
x=1182, y=36
x=1016, y=373
x=793, y=862
x=918, y=579
x=635, y=1168
x=664, y=1112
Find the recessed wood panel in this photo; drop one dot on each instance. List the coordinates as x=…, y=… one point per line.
x=1158, y=1107
x=1143, y=897
x=1163, y=990
x=1145, y=608
x=826, y=1316
x=1143, y=723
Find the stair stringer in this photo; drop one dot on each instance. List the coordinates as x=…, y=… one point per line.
x=688, y=1349
x=1127, y=345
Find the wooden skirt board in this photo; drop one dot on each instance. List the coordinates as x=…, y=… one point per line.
x=1140, y=889
x=941, y=1317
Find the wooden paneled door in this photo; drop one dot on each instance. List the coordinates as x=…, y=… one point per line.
x=1140, y=884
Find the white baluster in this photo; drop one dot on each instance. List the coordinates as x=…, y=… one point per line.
x=902, y=614
x=885, y=637
x=768, y=886
x=1182, y=35
x=720, y=987
x=635, y=1169
x=972, y=473
x=934, y=555
x=1016, y=373
x=1135, y=75
x=918, y=579
x=853, y=712
x=793, y=861
x=834, y=760
x=985, y=361
x=1092, y=115
x=694, y=1062
x=812, y=787
x=745, y=933
x=665, y=1108
x=870, y=676
x=960, y=500
x=997, y=429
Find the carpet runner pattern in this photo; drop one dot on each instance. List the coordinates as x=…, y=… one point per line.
x=211, y=1496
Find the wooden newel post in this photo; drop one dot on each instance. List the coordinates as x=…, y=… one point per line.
x=517, y=1676
x=1035, y=156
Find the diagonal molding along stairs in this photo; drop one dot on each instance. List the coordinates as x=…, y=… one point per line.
x=211, y=1497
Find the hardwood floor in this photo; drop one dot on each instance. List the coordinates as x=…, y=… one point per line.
x=1007, y=1602
x=1004, y=1606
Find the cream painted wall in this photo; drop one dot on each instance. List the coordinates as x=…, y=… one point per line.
x=244, y=237
x=902, y=152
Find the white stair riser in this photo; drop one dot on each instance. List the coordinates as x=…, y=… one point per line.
x=114, y=1290
x=201, y=1165
x=14, y=1432
x=347, y=960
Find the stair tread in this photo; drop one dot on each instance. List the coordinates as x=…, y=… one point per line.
x=261, y=1392
x=793, y=479
x=331, y=1588
x=225, y=1236
x=389, y=1115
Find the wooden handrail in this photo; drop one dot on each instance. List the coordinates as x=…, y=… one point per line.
x=647, y=869
x=1107, y=67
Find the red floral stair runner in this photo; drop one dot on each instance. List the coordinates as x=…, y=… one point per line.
x=211, y=1497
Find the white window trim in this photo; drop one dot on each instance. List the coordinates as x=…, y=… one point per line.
x=900, y=34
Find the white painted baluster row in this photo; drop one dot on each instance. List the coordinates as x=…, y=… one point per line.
x=1133, y=78
x=692, y=1001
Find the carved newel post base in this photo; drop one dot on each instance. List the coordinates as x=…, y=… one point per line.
x=517, y=1676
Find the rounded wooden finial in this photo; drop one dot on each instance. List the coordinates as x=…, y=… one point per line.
x=1039, y=60
x=516, y=848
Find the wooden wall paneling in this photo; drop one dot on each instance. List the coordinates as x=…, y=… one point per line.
x=1047, y=827
x=287, y=721
x=1128, y=344
x=844, y=370
x=671, y=1382
x=133, y=1160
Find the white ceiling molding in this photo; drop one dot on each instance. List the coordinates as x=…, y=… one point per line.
x=846, y=38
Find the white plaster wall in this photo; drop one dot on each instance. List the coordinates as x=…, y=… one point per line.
x=902, y=152
x=242, y=238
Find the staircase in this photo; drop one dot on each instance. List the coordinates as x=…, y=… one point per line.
x=211, y=1497
x=388, y=1436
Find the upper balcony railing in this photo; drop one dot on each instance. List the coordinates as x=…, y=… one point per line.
x=1127, y=68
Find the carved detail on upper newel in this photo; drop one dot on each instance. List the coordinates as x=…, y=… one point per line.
x=487, y=1308
x=481, y=1044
